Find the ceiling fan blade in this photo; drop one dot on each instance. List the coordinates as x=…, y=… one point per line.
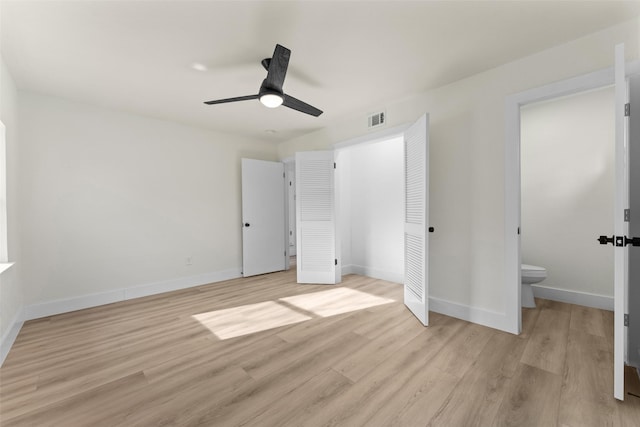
x=277, y=68
x=296, y=104
x=239, y=98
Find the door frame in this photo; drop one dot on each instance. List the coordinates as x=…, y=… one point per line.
x=368, y=139
x=512, y=223
x=417, y=131
x=345, y=263
x=289, y=163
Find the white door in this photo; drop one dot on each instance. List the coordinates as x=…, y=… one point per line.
x=315, y=217
x=621, y=228
x=263, y=217
x=633, y=332
x=416, y=239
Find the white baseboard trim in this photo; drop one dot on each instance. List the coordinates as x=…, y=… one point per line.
x=50, y=308
x=65, y=305
x=10, y=335
x=181, y=283
x=480, y=316
x=573, y=297
x=346, y=269
x=389, y=276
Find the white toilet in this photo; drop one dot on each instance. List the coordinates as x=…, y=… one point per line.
x=530, y=274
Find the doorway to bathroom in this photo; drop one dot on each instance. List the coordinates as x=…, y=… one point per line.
x=567, y=189
x=623, y=223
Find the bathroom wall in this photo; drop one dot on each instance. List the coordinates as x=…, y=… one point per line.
x=371, y=209
x=567, y=161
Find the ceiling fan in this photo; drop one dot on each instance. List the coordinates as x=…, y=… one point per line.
x=271, y=93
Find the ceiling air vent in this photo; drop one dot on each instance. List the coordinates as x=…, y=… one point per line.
x=377, y=119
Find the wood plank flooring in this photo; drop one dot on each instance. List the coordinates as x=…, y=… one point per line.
x=202, y=357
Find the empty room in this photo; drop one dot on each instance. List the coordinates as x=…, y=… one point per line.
x=319, y=213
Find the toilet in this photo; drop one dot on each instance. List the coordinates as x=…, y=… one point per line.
x=530, y=274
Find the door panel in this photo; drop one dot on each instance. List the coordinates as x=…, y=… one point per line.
x=621, y=253
x=315, y=217
x=416, y=242
x=263, y=217
x=634, y=224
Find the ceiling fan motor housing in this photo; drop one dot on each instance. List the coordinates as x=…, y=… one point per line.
x=266, y=90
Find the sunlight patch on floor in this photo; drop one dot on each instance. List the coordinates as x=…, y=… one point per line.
x=247, y=319
x=335, y=301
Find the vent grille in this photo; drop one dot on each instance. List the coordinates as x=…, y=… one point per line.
x=377, y=119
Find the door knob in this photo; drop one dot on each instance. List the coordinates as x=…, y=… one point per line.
x=604, y=240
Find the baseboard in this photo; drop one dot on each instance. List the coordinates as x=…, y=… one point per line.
x=347, y=269
x=573, y=297
x=51, y=308
x=10, y=335
x=389, y=276
x=480, y=316
x=65, y=305
x=181, y=283
x=448, y=308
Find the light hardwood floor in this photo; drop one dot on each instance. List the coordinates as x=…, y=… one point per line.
x=347, y=355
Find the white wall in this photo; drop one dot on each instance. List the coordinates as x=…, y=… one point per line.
x=372, y=209
x=467, y=184
x=113, y=202
x=11, y=291
x=567, y=175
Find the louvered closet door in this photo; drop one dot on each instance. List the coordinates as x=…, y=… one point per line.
x=315, y=217
x=416, y=244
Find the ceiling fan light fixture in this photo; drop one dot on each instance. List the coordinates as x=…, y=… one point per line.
x=271, y=100
x=271, y=94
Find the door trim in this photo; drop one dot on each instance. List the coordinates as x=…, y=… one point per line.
x=372, y=138
x=341, y=147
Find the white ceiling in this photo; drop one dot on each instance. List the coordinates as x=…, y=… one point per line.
x=347, y=57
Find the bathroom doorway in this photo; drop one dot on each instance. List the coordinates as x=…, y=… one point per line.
x=567, y=189
x=599, y=79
